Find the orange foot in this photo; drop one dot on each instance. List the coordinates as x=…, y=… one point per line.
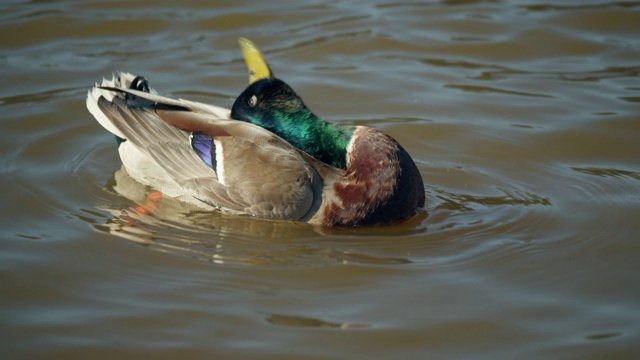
x=153, y=202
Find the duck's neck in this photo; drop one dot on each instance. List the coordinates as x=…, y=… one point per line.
x=322, y=140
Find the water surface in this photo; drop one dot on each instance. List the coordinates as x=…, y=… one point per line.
x=522, y=116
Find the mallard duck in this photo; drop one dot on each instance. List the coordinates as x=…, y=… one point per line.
x=269, y=156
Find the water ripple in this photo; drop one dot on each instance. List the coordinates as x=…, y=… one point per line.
x=302, y=321
x=607, y=172
x=487, y=89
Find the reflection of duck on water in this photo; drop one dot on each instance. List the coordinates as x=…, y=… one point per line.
x=292, y=165
x=168, y=225
x=179, y=228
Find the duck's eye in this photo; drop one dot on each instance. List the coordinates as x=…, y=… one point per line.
x=253, y=101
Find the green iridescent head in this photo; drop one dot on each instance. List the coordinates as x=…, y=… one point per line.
x=272, y=104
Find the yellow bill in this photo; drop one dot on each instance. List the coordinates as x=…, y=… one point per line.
x=258, y=68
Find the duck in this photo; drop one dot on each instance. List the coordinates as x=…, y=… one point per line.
x=268, y=156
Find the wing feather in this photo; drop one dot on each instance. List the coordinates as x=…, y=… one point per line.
x=264, y=175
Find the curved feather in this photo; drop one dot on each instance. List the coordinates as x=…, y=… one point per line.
x=263, y=174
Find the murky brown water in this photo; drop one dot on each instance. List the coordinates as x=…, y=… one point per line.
x=523, y=116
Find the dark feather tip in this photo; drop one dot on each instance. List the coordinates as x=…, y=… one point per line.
x=141, y=84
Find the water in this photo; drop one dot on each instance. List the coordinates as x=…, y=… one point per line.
x=523, y=118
